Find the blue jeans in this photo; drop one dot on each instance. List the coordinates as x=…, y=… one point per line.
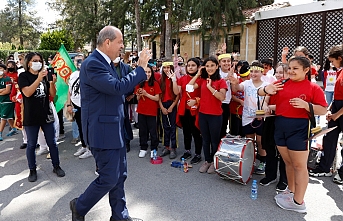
x=75, y=129
x=210, y=126
x=329, y=96
x=32, y=136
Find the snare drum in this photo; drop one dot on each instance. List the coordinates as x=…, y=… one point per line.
x=235, y=159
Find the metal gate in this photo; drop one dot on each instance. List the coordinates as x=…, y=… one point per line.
x=318, y=32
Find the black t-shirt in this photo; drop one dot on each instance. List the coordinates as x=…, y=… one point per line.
x=37, y=110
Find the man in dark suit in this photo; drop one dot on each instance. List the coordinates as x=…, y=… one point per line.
x=102, y=103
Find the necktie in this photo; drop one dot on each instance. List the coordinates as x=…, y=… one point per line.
x=114, y=68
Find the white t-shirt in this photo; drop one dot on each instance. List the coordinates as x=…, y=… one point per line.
x=268, y=78
x=228, y=92
x=270, y=72
x=74, y=88
x=250, y=100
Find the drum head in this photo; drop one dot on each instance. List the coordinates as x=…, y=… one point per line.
x=246, y=167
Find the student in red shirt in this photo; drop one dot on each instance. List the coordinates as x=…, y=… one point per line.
x=213, y=91
x=292, y=128
x=188, y=111
x=167, y=103
x=148, y=94
x=335, y=118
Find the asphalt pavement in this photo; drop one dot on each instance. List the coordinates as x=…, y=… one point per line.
x=153, y=192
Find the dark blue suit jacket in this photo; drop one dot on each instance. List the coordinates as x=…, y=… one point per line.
x=102, y=101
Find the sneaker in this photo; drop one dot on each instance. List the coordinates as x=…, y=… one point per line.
x=12, y=132
x=165, y=152
x=23, y=146
x=281, y=187
x=289, y=204
x=285, y=194
x=42, y=151
x=48, y=156
x=142, y=153
x=59, y=172
x=337, y=179
x=186, y=155
x=204, y=167
x=211, y=169
x=1, y=139
x=74, y=141
x=260, y=170
x=319, y=173
x=267, y=181
x=172, y=154
x=96, y=173
x=86, y=154
x=61, y=137
x=196, y=159
x=32, y=176
x=80, y=151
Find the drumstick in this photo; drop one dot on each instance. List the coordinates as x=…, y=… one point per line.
x=189, y=95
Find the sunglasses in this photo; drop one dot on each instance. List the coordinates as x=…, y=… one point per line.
x=36, y=61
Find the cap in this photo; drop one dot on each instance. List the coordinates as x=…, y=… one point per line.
x=244, y=71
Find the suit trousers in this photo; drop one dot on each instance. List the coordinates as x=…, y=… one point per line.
x=112, y=169
x=330, y=139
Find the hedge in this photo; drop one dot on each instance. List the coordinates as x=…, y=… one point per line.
x=45, y=53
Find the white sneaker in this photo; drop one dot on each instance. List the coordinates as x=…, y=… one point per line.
x=151, y=154
x=142, y=153
x=80, y=151
x=86, y=154
x=96, y=173
x=41, y=152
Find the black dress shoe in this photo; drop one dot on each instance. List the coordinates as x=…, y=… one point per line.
x=128, y=148
x=75, y=215
x=59, y=172
x=32, y=176
x=23, y=146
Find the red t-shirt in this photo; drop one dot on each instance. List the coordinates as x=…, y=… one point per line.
x=168, y=90
x=306, y=90
x=208, y=103
x=145, y=105
x=338, y=92
x=13, y=76
x=185, y=96
x=233, y=104
x=157, y=76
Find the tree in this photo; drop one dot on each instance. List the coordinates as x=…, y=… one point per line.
x=19, y=24
x=53, y=40
x=217, y=16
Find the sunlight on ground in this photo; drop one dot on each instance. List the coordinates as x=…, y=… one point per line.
x=8, y=180
x=6, y=149
x=2, y=164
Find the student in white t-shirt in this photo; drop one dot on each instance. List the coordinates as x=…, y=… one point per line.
x=252, y=127
x=268, y=70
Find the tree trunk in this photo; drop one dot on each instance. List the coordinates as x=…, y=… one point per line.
x=20, y=23
x=168, y=37
x=162, y=37
x=138, y=25
x=213, y=43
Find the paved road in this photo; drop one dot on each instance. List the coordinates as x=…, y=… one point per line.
x=154, y=192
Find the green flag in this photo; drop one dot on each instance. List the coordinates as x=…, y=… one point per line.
x=64, y=66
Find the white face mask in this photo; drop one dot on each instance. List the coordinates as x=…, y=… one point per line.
x=117, y=60
x=36, y=66
x=1, y=73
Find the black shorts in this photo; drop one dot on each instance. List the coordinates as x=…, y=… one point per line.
x=254, y=127
x=292, y=133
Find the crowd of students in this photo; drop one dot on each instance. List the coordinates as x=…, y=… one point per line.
x=197, y=96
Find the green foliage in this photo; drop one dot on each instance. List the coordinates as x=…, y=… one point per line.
x=13, y=47
x=45, y=53
x=19, y=25
x=53, y=40
x=5, y=46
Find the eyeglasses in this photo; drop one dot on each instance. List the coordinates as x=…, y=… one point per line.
x=36, y=61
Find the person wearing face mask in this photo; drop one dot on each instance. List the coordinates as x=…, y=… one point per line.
x=36, y=89
x=6, y=106
x=13, y=75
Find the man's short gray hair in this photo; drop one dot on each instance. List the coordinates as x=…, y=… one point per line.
x=107, y=32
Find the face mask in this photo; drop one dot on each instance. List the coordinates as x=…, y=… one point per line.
x=10, y=69
x=1, y=73
x=36, y=66
x=180, y=63
x=117, y=60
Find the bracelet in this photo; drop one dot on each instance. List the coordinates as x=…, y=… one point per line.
x=264, y=90
x=215, y=91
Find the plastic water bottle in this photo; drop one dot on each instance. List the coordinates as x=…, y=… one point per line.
x=182, y=163
x=154, y=155
x=253, y=194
